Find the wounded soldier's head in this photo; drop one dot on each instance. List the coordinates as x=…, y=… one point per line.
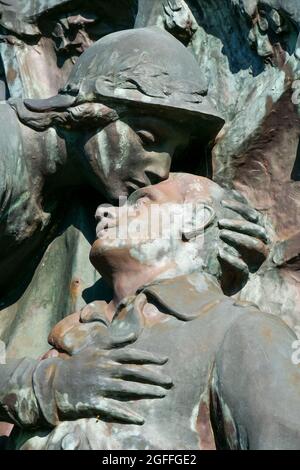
x=175, y=227
x=183, y=225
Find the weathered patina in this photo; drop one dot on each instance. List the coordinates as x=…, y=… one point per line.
x=167, y=300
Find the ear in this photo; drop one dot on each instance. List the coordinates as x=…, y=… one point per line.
x=204, y=215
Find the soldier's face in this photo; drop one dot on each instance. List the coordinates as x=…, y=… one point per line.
x=151, y=229
x=133, y=152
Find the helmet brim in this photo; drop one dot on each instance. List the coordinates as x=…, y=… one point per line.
x=201, y=117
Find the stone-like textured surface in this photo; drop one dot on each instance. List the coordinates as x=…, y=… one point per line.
x=172, y=304
x=35, y=65
x=248, y=55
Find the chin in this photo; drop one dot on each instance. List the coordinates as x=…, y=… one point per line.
x=103, y=251
x=99, y=247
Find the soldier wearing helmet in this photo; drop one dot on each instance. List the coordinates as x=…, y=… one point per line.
x=117, y=87
x=133, y=101
x=125, y=111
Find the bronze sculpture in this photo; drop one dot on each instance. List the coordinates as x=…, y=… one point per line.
x=226, y=363
x=77, y=138
x=128, y=113
x=136, y=151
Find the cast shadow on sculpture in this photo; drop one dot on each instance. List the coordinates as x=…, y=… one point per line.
x=262, y=30
x=80, y=217
x=235, y=45
x=167, y=301
x=72, y=25
x=90, y=21
x=93, y=292
x=295, y=176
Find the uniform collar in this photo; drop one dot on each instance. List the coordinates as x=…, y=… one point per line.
x=184, y=297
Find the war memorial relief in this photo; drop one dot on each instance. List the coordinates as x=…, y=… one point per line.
x=149, y=225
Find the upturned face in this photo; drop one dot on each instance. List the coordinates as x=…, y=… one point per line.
x=131, y=153
x=156, y=227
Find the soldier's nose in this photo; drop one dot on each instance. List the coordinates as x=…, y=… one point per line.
x=105, y=212
x=158, y=169
x=155, y=178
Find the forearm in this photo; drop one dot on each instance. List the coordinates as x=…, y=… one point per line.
x=18, y=403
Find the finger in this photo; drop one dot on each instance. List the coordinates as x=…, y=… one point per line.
x=235, y=262
x=235, y=272
x=248, y=228
x=133, y=373
x=141, y=374
x=243, y=209
x=62, y=328
x=239, y=197
x=117, y=342
x=109, y=409
x=92, y=313
x=79, y=338
x=231, y=251
x=121, y=390
x=239, y=241
x=252, y=250
x=134, y=356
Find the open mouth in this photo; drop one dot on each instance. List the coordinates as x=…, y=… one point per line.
x=103, y=228
x=134, y=184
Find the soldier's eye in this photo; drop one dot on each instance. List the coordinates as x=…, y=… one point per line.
x=146, y=137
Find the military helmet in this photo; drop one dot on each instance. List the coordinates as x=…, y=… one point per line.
x=145, y=68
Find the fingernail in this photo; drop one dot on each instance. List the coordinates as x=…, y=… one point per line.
x=163, y=360
x=139, y=420
x=169, y=382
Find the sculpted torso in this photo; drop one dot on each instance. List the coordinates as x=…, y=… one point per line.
x=181, y=419
x=224, y=368
x=190, y=340
x=217, y=351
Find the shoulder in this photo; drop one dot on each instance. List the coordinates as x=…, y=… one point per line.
x=254, y=346
x=255, y=326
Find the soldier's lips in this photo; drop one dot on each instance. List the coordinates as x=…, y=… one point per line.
x=102, y=229
x=134, y=184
